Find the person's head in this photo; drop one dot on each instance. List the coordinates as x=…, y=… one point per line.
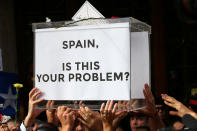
x=119, y=129
x=161, y=111
x=47, y=127
x=143, y=128
x=138, y=119
x=177, y=125
x=12, y=125
x=4, y=127
x=3, y=123
x=36, y=123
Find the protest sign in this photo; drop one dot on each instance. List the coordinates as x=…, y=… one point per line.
x=90, y=62
x=140, y=63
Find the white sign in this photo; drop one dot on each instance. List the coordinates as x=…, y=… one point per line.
x=83, y=62
x=140, y=68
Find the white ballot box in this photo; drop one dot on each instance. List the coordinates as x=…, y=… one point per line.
x=92, y=60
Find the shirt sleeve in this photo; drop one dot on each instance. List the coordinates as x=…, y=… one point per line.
x=23, y=128
x=189, y=121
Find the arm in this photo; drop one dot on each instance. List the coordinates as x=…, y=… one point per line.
x=51, y=113
x=33, y=111
x=67, y=118
x=181, y=109
x=90, y=119
x=108, y=115
x=154, y=120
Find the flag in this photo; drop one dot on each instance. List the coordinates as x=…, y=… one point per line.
x=8, y=93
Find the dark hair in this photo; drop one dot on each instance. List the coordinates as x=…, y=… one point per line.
x=47, y=127
x=143, y=127
x=165, y=129
x=138, y=114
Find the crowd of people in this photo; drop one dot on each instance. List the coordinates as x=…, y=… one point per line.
x=151, y=117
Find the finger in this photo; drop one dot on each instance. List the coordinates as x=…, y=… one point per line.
x=149, y=92
x=145, y=94
x=82, y=113
x=37, y=94
x=102, y=108
x=32, y=92
x=40, y=110
x=58, y=109
x=119, y=113
x=128, y=105
x=87, y=109
x=124, y=102
x=75, y=105
x=115, y=107
x=82, y=121
x=124, y=105
x=165, y=97
x=68, y=110
x=170, y=99
x=75, y=102
x=72, y=114
x=169, y=104
x=106, y=106
x=119, y=105
x=81, y=103
x=174, y=113
x=52, y=103
x=123, y=114
x=82, y=109
x=51, y=106
x=61, y=108
x=38, y=101
x=147, y=99
x=147, y=88
x=110, y=105
x=64, y=108
x=48, y=103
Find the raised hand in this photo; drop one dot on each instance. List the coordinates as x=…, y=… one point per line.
x=51, y=113
x=33, y=110
x=124, y=105
x=119, y=115
x=107, y=115
x=181, y=109
x=150, y=108
x=90, y=119
x=67, y=118
x=121, y=112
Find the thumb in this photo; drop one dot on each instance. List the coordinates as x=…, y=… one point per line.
x=175, y=113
